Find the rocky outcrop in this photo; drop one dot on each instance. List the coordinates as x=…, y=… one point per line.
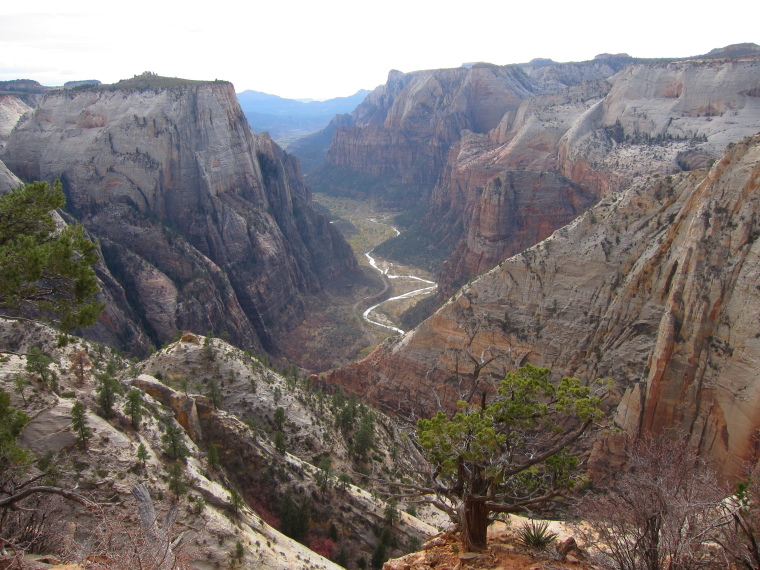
x=204, y=225
x=654, y=287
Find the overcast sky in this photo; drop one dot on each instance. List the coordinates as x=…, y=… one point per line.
x=300, y=49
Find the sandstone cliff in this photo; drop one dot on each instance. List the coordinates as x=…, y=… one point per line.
x=561, y=134
x=654, y=287
x=205, y=225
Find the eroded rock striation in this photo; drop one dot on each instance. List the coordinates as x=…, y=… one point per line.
x=655, y=287
x=562, y=135
x=203, y=224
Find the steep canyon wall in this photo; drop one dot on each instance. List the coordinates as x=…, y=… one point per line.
x=655, y=287
x=205, y=225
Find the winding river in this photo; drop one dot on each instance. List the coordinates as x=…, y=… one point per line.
x=429, y=286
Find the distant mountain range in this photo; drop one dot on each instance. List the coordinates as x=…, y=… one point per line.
x=288, y=119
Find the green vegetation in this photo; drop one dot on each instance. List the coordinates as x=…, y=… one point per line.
x=507, y=456
x=107, y=389
x=236, y=500
x=416, y=247
x=14, y=459
x=176, y=475
x=20, y=383
x=536, y=534
x=418, y=312
x=214, y=393
x=343, y=182
x=173, y=440
x=279, y=418
x=38, y=363
x=142, y=454
x=213, y=456
x=45, y=273
x=134, y=406
x=294, y=516
x=146, y=81
x=279, y=441
x=79, y=424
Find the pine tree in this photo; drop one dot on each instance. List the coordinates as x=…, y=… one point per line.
x=213, y=456
x=279, y=441
x=45, y=272
x=142, y=454
x=237, y=501
x=134, y=406
x=176, y=479
x=107, y=389
x=279, y=418
x=174, y=444
x=214, y=393
x=79, y=424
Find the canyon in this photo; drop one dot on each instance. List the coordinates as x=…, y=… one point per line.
x=597, y=218
x=501, y=156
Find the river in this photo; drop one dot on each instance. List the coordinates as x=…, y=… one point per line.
x=430, y=286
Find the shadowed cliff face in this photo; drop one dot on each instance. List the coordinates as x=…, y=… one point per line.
x=655, y=287
x=565, y=134
x=206, y=225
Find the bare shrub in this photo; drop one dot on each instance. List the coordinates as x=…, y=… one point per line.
x=36, y=526
x=121, y=543
x=740, y=535
x=661, y=513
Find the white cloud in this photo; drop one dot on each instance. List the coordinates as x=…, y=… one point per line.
x=335, y=47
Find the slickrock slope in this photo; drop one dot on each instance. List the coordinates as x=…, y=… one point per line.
x=656, y=287
x=335, y=516
x=560, y=134
x=205, y=225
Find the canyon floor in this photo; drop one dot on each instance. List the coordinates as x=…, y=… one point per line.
x=333, y=331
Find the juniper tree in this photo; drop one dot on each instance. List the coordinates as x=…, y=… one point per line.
x=45, y=272
x=506, y=456
x=38, y=363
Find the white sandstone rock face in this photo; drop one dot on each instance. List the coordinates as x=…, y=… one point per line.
x=11, y=110
x=654, y=287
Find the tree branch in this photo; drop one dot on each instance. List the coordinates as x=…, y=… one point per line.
x=71, y=496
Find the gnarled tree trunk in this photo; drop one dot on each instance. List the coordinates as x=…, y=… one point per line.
x=473, y=522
